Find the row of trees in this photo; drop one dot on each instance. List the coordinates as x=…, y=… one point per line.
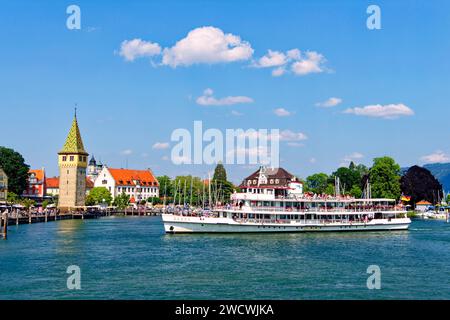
x=351, y=181
x=386, y=181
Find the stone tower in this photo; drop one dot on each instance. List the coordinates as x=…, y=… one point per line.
x=72, y=160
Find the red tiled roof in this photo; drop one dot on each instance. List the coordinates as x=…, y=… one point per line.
x=53, y=183
x=126, y=177
x=39, y=173
x=426, y=203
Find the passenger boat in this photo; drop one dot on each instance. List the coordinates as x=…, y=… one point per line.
x=264, y=207
x=289, y=215
x=272, y=200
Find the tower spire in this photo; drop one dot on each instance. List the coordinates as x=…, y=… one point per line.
x=74, y=142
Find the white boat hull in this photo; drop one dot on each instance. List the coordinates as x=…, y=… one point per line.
x=182, y=224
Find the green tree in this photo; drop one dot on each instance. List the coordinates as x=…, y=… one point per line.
x=154, y=200
x=356, y=191
x=121, y=201
x=362, y=170
x=12, y=198
x=15, y=168
x=220, y=174
x=221, y=187
x=166, y=186
x=385, y=178
x=97, y=195
x=27, y=203
x=182, y=189
x=347, y=177
x=45, y=204
x=330, y=190
x=317, y=183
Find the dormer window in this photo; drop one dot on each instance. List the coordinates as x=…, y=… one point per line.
x=271, y=181
x=277, y=181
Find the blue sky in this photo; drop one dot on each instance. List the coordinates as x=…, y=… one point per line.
x=126, y=107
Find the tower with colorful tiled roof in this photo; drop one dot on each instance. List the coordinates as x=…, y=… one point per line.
x=72, y=160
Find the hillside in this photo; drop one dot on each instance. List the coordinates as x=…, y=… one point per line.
x=442, y=172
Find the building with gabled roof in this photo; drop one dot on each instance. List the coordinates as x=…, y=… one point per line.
x=36, y=184
x=272, y=181
x=423, y=205
x=138, y=184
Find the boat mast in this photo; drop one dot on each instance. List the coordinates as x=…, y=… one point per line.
x=209, y=190
x=184, y=193
x=165, y=195
x=203, y=195
x=179, y=198
x=175, y=193
x=190, y=201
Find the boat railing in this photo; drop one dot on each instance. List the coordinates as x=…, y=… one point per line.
x=302, y=221
x=310, y=210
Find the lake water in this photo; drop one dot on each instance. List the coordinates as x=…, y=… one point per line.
x=131, y=258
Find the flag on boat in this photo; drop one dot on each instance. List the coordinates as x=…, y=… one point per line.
x=406, y=198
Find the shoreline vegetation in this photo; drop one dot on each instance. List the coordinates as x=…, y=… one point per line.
x=384, y=179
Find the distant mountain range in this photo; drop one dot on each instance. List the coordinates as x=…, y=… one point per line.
x=441, y=171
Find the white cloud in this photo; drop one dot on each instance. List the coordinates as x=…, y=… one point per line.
x=331, y=102
x=236, y=113
x=288, y=135
x=211, y=45
x=351, y=157
x=284, y=135
x=281, y=112
x=311, y=62
x=299, y=63
x=126, y=152
x=207, y=99
x=207, y=45
x=165, y=158
x=278, y=71
x=390, y=111
x=313, y=160
x=437, y=157
x=161, y=145
x=271, y=59
x=137, y=48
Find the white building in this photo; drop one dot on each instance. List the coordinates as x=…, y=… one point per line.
x=94, y=168
x=138, y=184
